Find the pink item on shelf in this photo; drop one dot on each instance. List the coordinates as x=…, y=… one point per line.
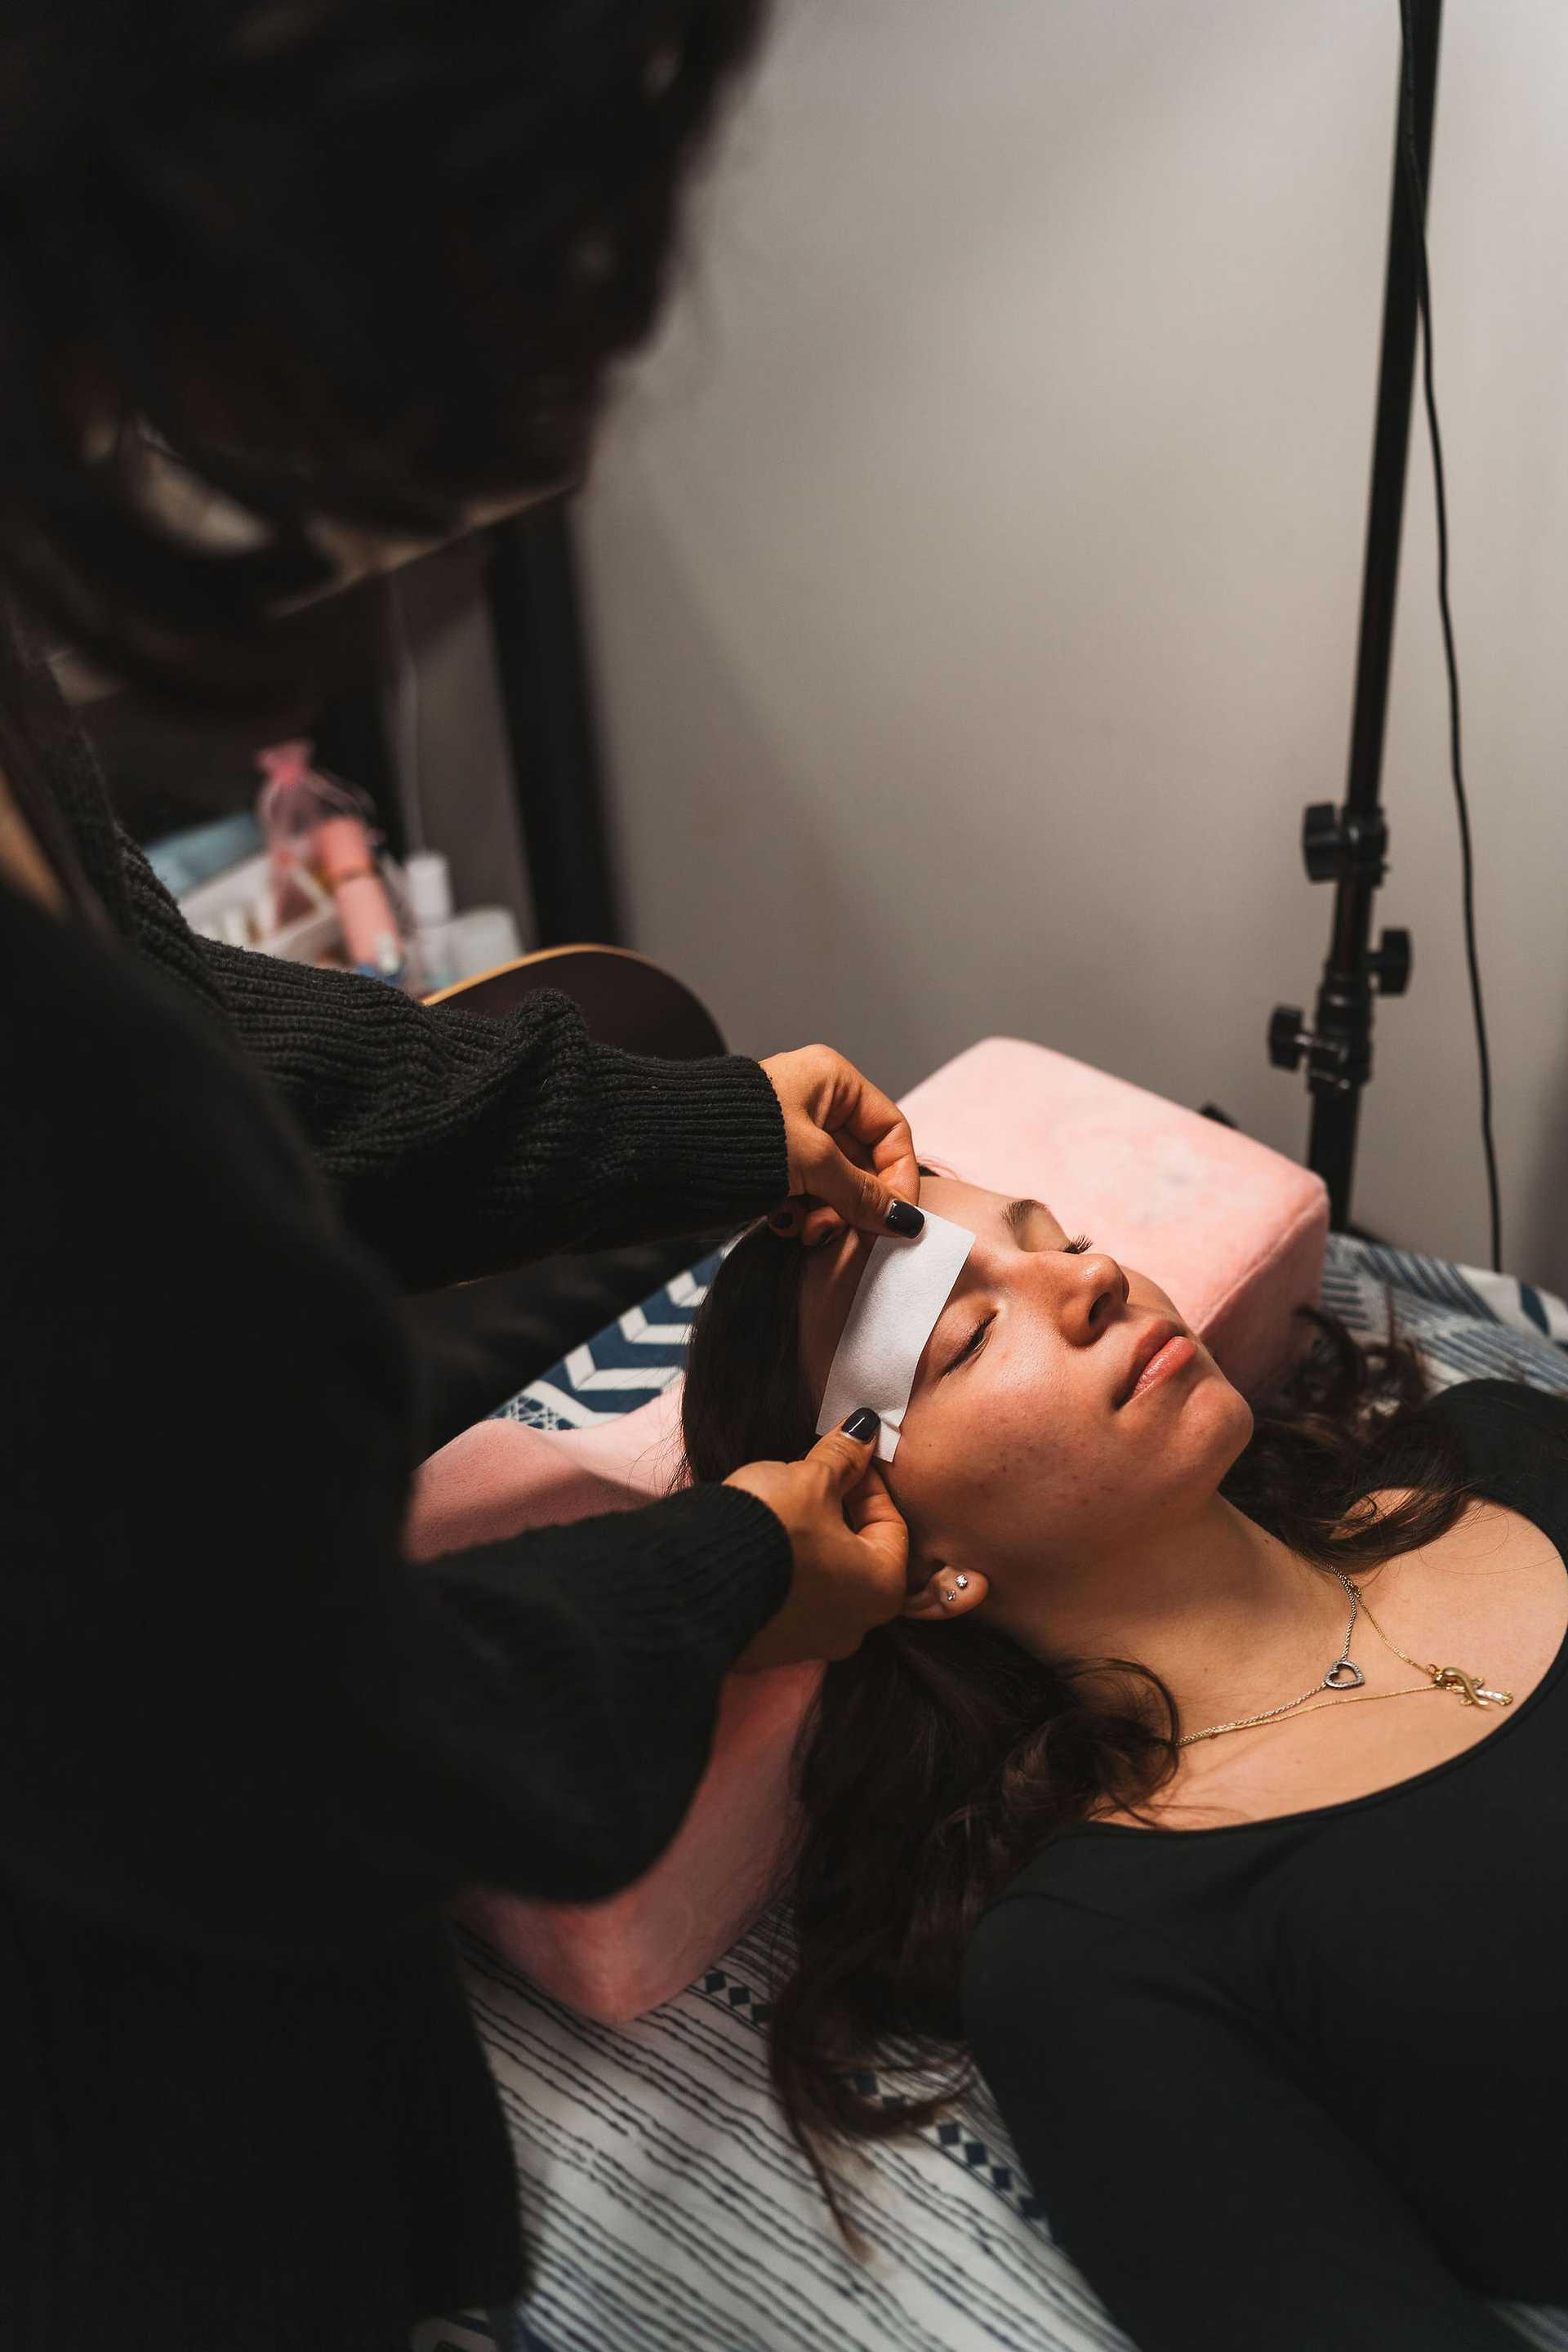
x=347, y=862
x=1233, y=1231
x=316, y=825
x=287, y=793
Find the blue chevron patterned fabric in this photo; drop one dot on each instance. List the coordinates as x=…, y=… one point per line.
x=1469, y=1323
x=629, y=1363
x=668, y=2208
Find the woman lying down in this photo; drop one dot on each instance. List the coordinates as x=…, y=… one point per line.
x=1213, y=1787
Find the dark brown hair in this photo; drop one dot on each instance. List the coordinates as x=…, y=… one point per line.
x=363, y=260
x=937, y=1760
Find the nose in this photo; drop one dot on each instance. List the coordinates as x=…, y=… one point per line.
x=1090, y=1289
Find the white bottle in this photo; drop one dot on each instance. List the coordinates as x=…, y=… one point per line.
x=427, y=880
x=481, y=939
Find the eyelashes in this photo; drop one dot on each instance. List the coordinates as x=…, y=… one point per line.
x=1081, y=1241
x=970, y=1345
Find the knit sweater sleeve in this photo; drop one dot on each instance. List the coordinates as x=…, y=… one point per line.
x=457, y=1143
x=236, y=1713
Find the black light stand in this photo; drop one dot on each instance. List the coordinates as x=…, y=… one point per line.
x=549, y=704
x=1347, y=846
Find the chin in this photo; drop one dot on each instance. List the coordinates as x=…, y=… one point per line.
x=1215, y=1417
x=1236, y=1417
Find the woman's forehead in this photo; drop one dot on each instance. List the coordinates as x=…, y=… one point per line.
x=833, y=1270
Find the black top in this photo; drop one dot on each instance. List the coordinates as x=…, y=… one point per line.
x=248, y=1751
x=1304, y=2082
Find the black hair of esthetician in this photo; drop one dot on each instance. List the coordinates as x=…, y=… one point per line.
x=368, y=263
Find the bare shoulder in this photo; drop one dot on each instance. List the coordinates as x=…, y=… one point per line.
x=1488, y=1541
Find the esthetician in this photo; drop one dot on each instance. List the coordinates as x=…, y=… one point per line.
x=365, y=266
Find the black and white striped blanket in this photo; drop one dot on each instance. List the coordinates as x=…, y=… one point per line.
x=667, y=2210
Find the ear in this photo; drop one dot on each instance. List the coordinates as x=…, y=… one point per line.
x=947, y=1592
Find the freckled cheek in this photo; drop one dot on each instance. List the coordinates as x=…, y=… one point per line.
x=933, y=1476
x=970, y=1470
x=1023, y=1454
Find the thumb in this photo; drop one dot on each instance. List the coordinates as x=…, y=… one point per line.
x=845, y=1454
x=876, y=1519
x=860, y=1197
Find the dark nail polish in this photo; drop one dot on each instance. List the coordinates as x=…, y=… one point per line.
x=781, y=1221
x=903, y=1219
x=862, y=1423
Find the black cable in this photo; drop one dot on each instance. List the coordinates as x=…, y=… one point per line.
x=1418, y=195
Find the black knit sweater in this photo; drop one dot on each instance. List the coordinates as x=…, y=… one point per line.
x=248, y=1751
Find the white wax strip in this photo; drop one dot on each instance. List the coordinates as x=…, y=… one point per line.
x=904, y=1288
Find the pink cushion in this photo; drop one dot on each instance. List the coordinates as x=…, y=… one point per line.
x=1232, y=1231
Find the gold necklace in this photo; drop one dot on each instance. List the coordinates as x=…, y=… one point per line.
x=1345, y=1676
x=1469, y=1689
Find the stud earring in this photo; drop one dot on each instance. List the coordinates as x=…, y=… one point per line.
x=961, y=1582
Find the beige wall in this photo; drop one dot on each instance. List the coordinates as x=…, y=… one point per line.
x=974, y=568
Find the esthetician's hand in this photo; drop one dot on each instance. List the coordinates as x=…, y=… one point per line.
x=851, y=1548
x=851, y=1156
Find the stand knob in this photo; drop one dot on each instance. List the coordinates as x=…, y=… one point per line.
x=1286, y=1041
x=1390, y=964
x=1322, y=839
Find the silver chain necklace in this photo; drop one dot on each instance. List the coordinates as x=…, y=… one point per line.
x=1341, y=1676
x=1345, y=1676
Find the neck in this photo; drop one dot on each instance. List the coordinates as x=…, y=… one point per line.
x=1230, y=1618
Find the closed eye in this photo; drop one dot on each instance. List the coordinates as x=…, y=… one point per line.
x=969, y=1347
x=972, y=1345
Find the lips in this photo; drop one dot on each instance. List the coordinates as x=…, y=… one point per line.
x=1151, y=1339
